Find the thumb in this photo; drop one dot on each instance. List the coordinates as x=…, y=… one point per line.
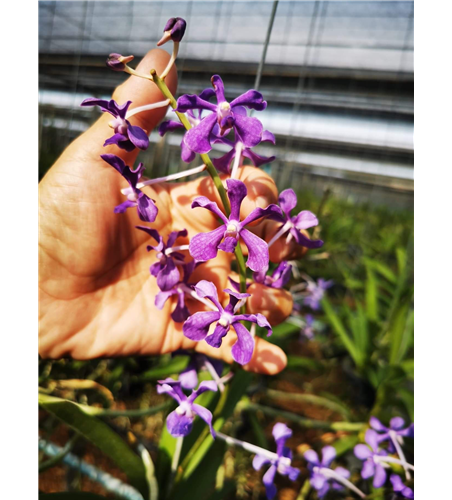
x=89, y=146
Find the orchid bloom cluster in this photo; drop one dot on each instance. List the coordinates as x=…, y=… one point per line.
x=177, y=255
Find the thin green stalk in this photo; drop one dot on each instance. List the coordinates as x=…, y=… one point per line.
x=212, y=172
x=305, y=422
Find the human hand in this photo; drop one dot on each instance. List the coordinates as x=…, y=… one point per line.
x=96, y=293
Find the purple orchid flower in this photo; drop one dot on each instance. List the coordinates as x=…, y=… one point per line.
x=294, y=225
x=204, y=246
x=197, y=326
x=278, y=279
x=308, y=329
x=395, y=431
x=399, y=487
x=165, y=269
x=316, y=292
x=126, y=136
x=321, y=478
x=147, y=211
x=226, y=115
x=188, y=377
x=372, y=465
x=283, y=464
x=181, y=289
x=223, y=163
x=180, y=421
x=187, y=154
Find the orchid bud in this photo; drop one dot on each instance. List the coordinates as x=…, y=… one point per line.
x=117, y=62
x=174, y=30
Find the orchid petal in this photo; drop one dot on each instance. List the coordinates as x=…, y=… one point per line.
x=188, y=102
x=197, y=138
x=147, y=211
x=236, y=193
x=257, y=213
x=259, y=461
x=204, y=202
x=252, y=99
x=249, y=130
x=216, y=338
x=242, y=350
x=179, y=425
x=168, y=276
x=228, y=245
x=197, y=326
x=287, y=201
x=204, y=246
x=257, y=251
x=328, y=455
x=206, y=415
x=169, y=126
x=305, y=219
x=137, y=136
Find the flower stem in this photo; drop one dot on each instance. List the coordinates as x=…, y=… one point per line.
x=399, y=450
x=175, y=461
x=147, y=107
x=334, y=475
x=252, y=448
x=281, y=231
x=171, y=177
x=171, y=61
x=131, y=71
x=238, y=157
x=392, y=460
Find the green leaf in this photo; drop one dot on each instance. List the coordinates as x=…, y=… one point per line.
x=70, y=495
x=400, y=333
x=101, y=435
x=176, y=365
x=201, y=483
x=340, y=330
x=371, y=295
x=381, y=268
x=297, y=362
x=345, y=444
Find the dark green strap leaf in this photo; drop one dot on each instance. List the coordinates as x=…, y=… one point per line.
x=101, y=435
